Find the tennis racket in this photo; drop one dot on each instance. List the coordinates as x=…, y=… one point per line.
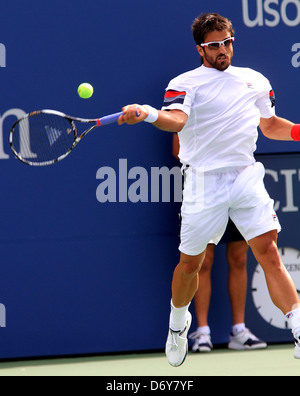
x=45, y=137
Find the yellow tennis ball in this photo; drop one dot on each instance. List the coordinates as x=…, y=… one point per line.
x=85, y=90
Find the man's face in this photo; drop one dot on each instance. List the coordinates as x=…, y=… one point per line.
x=218, y=58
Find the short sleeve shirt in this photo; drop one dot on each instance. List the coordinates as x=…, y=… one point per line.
x=224, y=109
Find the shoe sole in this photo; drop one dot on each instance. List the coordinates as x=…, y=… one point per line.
x=183, y=359
x=201, y=350
x=238, y=347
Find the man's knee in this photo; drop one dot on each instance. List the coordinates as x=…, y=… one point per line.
x=191, y=265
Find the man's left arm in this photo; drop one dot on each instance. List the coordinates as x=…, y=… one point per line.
x=277, y=128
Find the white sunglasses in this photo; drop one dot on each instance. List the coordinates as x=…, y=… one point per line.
x=217, y=44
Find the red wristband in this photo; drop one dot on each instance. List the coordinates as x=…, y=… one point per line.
x=295, y=132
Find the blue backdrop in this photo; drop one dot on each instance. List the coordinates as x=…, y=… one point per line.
x=80, y=276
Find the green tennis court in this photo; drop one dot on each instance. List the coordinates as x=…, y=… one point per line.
x=277, y=360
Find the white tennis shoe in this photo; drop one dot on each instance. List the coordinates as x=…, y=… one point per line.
x=202, y=342
x=177, y=344
x=245, y=340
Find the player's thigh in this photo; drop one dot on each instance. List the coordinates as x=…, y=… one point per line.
x=199, y=229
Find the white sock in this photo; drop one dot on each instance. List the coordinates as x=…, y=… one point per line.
x=238, y=328
x=204, y=330
x=178, y=317
x=294, y=321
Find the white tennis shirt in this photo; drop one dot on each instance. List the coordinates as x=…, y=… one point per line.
x=224, y=109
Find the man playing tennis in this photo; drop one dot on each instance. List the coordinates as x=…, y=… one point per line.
x=216, y=110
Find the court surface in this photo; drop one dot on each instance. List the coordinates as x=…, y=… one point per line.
x=277, y=360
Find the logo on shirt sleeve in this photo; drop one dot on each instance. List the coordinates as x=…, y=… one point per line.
x=172, y=97
x=272, y=97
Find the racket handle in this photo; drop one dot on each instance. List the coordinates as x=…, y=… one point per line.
x=109, y=119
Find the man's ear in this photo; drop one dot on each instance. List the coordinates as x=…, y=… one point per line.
x=200, y=50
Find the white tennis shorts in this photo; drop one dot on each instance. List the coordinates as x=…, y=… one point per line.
x=210, y=198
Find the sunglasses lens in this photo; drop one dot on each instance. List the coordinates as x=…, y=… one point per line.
x=228, y=42
x=214, y=46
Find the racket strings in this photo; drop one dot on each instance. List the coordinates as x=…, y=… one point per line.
x=43, y=137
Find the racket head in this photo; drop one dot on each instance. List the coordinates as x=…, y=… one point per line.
x=43, y=137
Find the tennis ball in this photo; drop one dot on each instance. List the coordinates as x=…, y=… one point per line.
x=85, y=90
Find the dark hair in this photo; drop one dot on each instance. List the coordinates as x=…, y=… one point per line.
x=209, y=22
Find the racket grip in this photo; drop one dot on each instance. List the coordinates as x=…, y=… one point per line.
x=109, y=119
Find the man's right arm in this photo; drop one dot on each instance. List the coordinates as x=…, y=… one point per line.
x=170, y=121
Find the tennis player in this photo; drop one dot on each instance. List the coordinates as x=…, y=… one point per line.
x=216, y=110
